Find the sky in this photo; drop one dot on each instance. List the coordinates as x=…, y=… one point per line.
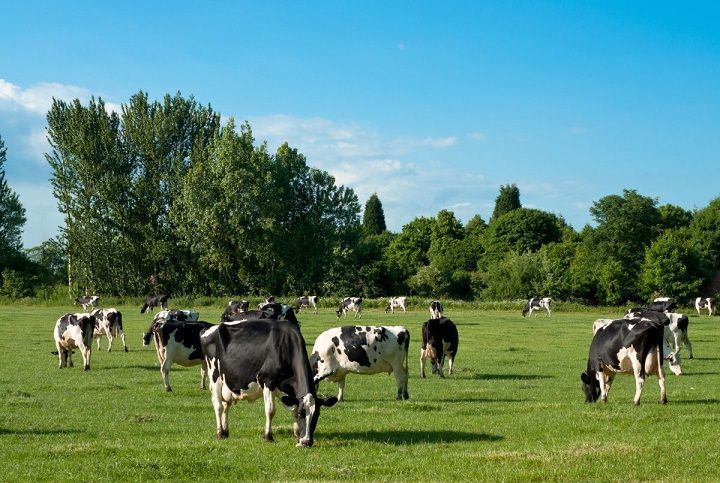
x=431, y=105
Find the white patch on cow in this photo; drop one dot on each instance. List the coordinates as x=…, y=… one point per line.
x=211, y=330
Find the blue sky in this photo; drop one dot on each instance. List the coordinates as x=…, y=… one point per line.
x=430, y=104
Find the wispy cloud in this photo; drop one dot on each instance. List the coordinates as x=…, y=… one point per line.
x=576, y=130
x=38, y=98
x=477, y=136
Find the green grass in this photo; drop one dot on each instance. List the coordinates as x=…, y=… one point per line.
x=514, y=410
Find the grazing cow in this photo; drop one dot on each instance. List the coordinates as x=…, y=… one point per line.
x=262, y=358
x=234, y=308
x=269, y=300
x=276, y=312
x=154, y=301
x=362, y=350
x=177, y=342
x=630, y=346
x=108, y=322
x=350, y=303
x=662, y=304
x=536, y=303
x=306, y=301
x=675, y=334
x=396, y=303
x=74, y=330
x=705, y=303
x=180, y=315
x=439, y=337
x=88, y=301
x=436, y=309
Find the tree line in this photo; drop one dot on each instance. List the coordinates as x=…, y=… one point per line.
x=165, y=197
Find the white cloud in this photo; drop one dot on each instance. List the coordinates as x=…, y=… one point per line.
x=440, y=142
x=477, y=136
x=576, y=130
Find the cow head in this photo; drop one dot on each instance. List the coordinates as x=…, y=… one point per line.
x=387, y=308
x=339, y=311
x=306, y=413
x=144, y=307
x=591, y=386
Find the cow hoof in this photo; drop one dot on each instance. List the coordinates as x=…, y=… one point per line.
x=268, y=437
x=406, y=396
x=87, y=368
x=222, y=434
x=663, y=400
x=168, y=389
x=306, y=443
x=126, y=350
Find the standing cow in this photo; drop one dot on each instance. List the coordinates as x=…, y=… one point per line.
x=88, y=301
x=536, y=303
x=396, y=303
x=234, y=308
x=108, y=322
x=362, y=350
x=436, y=309
x=74, y=330
x=702, y=303
x=262, y=358
x=439, y=338
x=307, y=301
x=350, y=303
x=152, y=301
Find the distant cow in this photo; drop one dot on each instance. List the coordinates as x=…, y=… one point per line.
x=74, y=330
x=88, y=301
x=180, y=315
x=234, y=307
x=362, y=350
x=396, y=303
x=269, y=311
x=675, y=335
x=262, y=358
x=439, y=338
x=306, y=301
x=177, y=342
x=662, y=304
x=269, y=300
x=350, y=303
x=154, y=301
x=436, y=309
x=702, y=303
x=536, y=303
x=629, y=346
x=108, y=322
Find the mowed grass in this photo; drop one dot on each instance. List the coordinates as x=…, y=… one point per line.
x=513, y=410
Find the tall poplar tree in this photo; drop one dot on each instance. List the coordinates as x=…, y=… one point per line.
x=12, y=215
x=506, y=201
x=374, y=216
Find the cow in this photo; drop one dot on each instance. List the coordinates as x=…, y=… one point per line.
x=154, y=301
x=436, y=309
x=350, y=303
x=362, y=350
x=177, y=342
x=180, y=315
x=88, y=301
x=662, y=304
x=268, y=300
x=306, y=301
x=262, y=358
x=705, y=303
x=234, y=308
x=629, y=346
x=108, y=322
x=277, y=312
x=675, y=334
x=439, y=338
x=537, y=303
x=74, y=330
x=396, y=303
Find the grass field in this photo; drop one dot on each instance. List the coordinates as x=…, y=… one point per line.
x=513, y=410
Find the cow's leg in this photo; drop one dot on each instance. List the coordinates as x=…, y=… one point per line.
x=68, y=358
x=341, y=389
x=451, y=359
x=85, y=351
x=547, y=307
x=422, y=363
x=110, y=339
x=401, y=379
x=269, y=413
x=203, y=374
x=661, y=377
x=122, y=338
x=686, y=341
x=165, y=368
x=639, y=379
x=221, y=410
x=604, y=386
x=97, y=338
x=62, y=359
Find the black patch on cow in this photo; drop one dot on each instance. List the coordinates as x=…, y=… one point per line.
x=375, y=348
x=189, y=336
x=367, y=329
x=336, y=341
x=314, y=361
x=401, y=338
x=380, y=334
x=354, y=340
x=683, y=323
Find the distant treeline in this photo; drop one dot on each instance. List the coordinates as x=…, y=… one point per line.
x=164, y=197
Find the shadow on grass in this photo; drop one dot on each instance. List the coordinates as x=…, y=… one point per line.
x=691, y=374
x=37, y=432
x=403, y=438
x=135, y=366
x=706, y=358
x=695, y=401
x=506, y=377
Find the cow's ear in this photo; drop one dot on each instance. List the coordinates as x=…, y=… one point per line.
x=329, y=402
x=584, y=378
x=289, y=401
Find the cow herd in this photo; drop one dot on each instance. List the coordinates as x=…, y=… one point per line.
x=262, y=353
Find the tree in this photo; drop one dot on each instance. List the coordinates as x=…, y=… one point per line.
x=408, y=251
x=674, y=216
x=373, y=216
x=506, y=201
x=672, y=267
x=517, y=276
x=12, y=216
x=705, y=235
x=521, y=230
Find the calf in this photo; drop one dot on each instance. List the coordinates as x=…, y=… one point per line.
x=436, y=309
x=262, y=358
x=536, y=303
x=74, y=330
x=350, y=303
x=234, y=308
x=88, y=301
x=154, y=301
x=702, y=303
x=362, y=350
x=629, y=346
x=177, y=342
x=306, y=301
x=439, y=337
x=396, y=303
x=108, y=322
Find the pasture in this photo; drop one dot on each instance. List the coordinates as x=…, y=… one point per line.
x=513, y=410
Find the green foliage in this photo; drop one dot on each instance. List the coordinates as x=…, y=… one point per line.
x=705, y=236
x=408, y=251
x=373, y=216
x=15, y=284
x=674, y=217
x=429, y=282
x=672, y=267
x=506, y=201
x=521, y=230
x=517, y=276
x=12, y=216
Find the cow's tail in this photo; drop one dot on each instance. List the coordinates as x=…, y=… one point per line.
x=119, y=321
x=407, y=349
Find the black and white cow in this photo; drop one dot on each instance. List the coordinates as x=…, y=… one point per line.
x=436, y=309
x=350, y=303
x=702, y=303
x=362, y=350
x=262, y=358
x=74, y=330
x=234, y=307
x=268, y=300
x=396, y=303
x=307, y=301
x=675, y=335
x=88, y=301
x=536, y=303
x=154, y=301
x=108, y=322
x=180, y=315
x=628, y=346
x=439, y=338
x=177, y=342
x=662, y=304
